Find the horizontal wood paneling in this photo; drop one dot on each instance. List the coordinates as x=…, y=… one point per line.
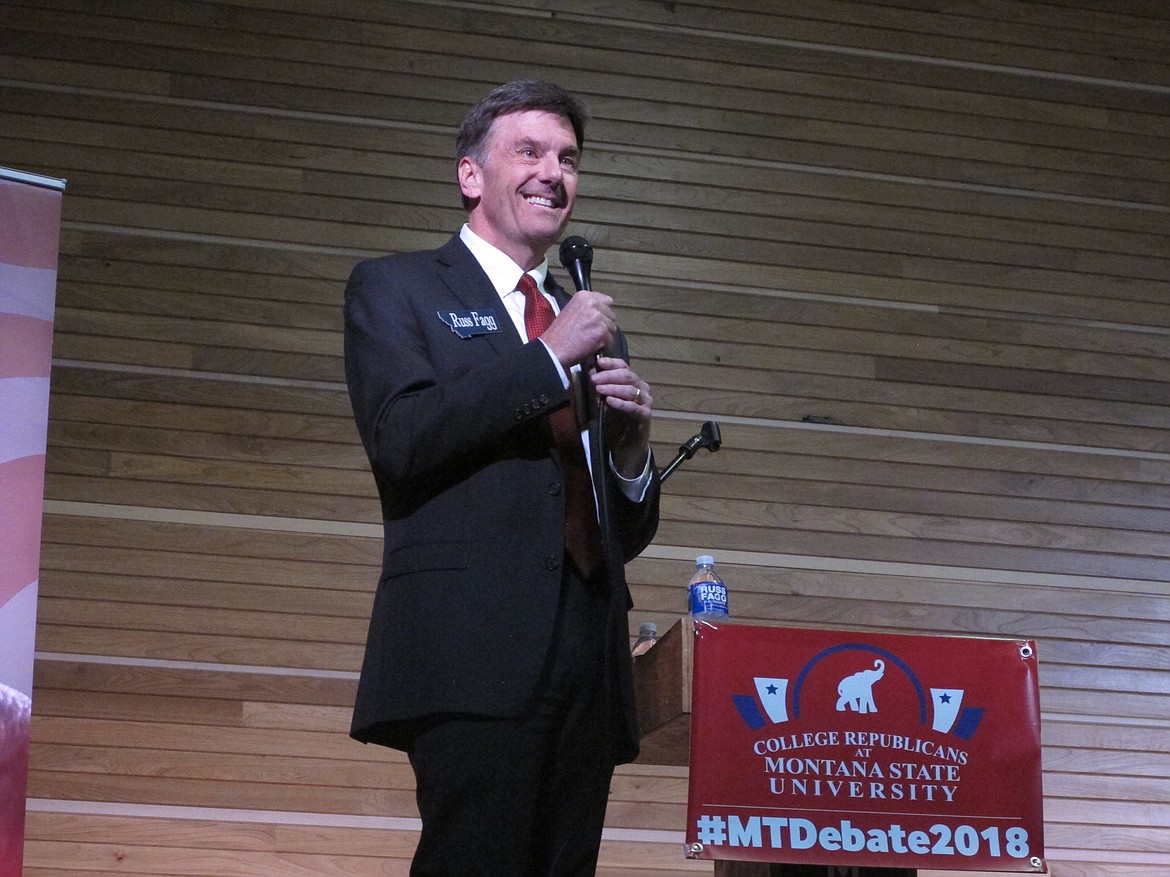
x=911, y=255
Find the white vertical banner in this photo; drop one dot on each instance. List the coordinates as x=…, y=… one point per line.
x=30, y=226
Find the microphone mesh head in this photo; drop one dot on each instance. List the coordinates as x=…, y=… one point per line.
x=576, y=249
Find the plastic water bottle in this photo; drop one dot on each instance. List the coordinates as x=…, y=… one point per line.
x=708, y=594
x=647, y=637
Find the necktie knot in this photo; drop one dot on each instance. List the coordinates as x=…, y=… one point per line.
x=528, y=285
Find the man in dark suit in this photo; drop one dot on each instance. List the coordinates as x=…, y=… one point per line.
x=498, y=649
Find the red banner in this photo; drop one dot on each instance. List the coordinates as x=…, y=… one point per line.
x=872, y=750
x=30, y=218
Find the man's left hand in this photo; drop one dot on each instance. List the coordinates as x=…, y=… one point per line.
x=630, y=404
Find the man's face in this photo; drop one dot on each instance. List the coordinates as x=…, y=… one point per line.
x=526, y=185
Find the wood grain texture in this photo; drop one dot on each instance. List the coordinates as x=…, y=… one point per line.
x=911, y=255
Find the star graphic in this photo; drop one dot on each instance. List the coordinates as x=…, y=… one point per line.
x=771, y=689
x=944, y=698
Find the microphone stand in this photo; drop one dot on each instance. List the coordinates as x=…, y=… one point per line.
x=708, y=437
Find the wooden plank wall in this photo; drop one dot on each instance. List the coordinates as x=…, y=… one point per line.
x=912, y=255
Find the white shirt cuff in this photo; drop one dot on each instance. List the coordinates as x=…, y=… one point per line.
x=633, y=488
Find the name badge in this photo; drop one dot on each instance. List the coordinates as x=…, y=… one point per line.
x=465, y=324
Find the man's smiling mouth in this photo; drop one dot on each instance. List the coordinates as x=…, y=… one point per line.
x=540, y=201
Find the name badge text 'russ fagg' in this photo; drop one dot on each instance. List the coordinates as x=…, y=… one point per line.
x=466, y=324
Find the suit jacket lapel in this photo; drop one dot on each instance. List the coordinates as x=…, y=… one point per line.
x=467, y=282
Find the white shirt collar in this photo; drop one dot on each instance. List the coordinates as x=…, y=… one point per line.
x=500, y=268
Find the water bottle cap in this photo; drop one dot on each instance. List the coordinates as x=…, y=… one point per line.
x=704, y=560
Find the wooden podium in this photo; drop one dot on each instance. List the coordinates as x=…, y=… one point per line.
x=662, y=687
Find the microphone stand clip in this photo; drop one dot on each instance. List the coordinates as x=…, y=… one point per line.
x=708, y=437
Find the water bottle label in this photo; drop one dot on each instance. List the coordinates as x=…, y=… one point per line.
x=708, y=597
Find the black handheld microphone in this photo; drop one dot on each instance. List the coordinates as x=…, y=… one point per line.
x=577, y=259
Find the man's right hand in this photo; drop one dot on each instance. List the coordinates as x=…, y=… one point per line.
x=583, y=328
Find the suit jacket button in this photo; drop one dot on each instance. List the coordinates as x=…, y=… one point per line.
x=554, y=488
x=551, y=563
x=543, y=398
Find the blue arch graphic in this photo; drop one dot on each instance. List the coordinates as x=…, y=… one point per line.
x=860, y=647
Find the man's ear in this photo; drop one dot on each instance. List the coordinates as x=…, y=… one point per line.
x=470, y=178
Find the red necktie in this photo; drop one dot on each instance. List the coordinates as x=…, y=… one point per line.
x=582, y=533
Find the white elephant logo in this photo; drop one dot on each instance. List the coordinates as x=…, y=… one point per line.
x=855, y=691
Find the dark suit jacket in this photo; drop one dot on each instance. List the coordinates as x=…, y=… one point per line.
x=457, y=434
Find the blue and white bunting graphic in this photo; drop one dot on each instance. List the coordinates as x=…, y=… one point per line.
x=946, y=707
x=951, y=717
x=773, y=695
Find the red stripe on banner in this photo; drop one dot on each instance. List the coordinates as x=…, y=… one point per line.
x=22, y=492
x=14, y=734
x=30, y=225
x=26, y=346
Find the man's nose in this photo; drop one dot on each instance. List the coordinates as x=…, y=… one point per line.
x=550, y=168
